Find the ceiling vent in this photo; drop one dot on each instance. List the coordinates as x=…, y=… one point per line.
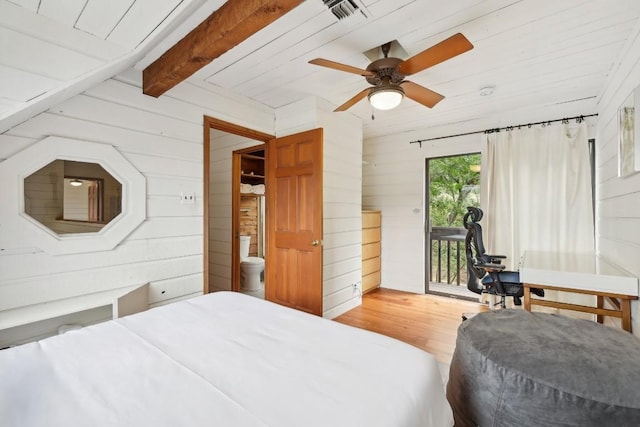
x=344, y=9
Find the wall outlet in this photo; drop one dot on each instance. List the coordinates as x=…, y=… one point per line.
x=356, y=288
x=187, y=198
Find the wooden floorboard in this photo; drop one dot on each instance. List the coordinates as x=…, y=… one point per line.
x=428, y=322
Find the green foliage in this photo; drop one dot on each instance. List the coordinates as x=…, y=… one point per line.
x=453, y=187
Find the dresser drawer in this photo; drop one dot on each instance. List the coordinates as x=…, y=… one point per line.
x=370, y=265
x=370, y=281
x=371, y=219
x=370, y=250
x=370, y=235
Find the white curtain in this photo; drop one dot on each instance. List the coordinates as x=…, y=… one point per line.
x=539, y=193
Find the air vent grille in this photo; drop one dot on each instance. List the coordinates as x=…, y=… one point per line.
x=344, y=8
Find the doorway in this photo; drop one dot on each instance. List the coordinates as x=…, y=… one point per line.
x=293, y=212
x=221, y=210
x=452, y=184
x=249, y=220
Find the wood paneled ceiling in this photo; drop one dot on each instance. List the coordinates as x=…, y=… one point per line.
x=51, y=50
x=546, y=59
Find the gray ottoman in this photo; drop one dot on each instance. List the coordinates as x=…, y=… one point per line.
x=516, y=368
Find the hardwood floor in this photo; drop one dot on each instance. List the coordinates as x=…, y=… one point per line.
x=428, y=322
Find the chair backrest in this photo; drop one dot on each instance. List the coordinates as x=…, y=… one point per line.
x=474, y=248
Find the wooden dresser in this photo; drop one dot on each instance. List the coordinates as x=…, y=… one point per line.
x=371, y=233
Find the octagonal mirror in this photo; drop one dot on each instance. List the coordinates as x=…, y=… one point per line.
x=67, y=196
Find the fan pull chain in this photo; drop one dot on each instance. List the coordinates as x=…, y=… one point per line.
x=373, y=117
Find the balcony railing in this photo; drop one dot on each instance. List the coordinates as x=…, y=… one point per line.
x=448, y=261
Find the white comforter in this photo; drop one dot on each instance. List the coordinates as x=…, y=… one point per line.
x=223, y=359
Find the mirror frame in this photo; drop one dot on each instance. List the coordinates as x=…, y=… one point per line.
x=19, y=230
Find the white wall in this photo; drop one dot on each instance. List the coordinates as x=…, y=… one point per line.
x=44, y=193
x=162, y=138
x=618, y=199
x=342, y=225
x=342, y=189
x=75, y=204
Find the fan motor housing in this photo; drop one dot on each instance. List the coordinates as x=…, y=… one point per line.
x=385, y=67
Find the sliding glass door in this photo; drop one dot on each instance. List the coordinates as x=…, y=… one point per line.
x=453, y=183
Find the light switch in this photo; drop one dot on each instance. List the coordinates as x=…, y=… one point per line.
x=187, y=198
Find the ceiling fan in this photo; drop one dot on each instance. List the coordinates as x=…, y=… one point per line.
x=387, y=75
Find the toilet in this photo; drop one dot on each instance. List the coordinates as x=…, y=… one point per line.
x=250, y=267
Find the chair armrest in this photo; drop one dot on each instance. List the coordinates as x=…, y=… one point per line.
x=491, y=267
x=496, y=259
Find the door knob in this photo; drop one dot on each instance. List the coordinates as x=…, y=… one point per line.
x=315, y=242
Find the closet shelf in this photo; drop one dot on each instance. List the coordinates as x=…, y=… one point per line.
x=249, y=175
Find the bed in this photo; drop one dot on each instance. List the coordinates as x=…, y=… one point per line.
x=221, y=359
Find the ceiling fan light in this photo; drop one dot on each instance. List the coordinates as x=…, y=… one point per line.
x=386, y=97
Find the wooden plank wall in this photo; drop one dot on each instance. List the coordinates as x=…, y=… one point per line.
x=342, y=188
x=43, y=195
x=342, y=226
x=162, y=138
x=249, y=221
x=618, y=199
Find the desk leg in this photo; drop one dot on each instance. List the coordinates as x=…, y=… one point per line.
x=625, y=307
x=527, y=298
x=600, y=304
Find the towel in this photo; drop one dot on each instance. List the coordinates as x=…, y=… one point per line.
x=258, y=189
x=246, y=188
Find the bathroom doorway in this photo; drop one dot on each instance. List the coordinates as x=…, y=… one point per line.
x=221, y=208
x=293, y=213
x=248, y=222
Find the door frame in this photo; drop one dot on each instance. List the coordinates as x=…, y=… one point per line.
x=224, y=126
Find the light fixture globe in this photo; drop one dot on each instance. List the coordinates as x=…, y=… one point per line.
x=386, y=96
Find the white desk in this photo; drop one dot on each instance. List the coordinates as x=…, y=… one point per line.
x=583, y=274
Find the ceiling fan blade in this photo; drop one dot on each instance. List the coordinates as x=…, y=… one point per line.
x=340, y=67
x=421, y=94
x=353, y=100
x=446, y=49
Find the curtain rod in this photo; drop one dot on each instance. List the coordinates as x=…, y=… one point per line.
x=578, y=119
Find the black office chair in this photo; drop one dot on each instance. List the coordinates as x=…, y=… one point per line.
x=486, y=272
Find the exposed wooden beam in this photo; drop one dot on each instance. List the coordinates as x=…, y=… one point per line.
x=231, y=24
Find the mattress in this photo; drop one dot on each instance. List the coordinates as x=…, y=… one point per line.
x=222, y=359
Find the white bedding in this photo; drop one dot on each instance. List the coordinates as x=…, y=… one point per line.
x=223, y=359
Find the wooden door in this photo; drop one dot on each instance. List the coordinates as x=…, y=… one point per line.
x=294, y=221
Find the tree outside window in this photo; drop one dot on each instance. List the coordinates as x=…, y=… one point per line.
x=454, y=184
